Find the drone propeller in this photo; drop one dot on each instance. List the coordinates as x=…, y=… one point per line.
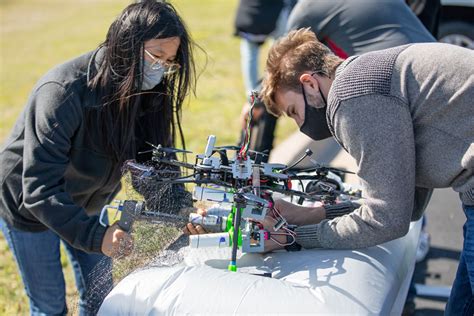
x=228, y=147
x=262, y=153
x=324, y=167
x=168, y=150
x=148, y=171
x=339, y=170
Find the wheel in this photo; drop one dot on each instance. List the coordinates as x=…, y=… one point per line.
x=458, y=33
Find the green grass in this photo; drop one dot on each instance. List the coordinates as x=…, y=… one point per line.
x=37, y=35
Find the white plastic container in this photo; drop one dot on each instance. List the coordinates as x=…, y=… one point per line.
x=211, y=223
x=218, y=240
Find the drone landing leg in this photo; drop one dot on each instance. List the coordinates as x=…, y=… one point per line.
x=238, y=200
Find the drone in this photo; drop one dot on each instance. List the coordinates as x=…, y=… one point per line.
x=244, y=185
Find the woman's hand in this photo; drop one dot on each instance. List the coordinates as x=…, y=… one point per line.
x=190, y=229
x=116, y=242
x=300, y=215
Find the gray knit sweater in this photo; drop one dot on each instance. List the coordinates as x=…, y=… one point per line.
x=406, y=115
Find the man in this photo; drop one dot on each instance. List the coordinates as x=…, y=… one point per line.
x=404, y=114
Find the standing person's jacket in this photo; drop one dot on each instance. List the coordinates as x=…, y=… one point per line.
x=406, y=115
x=55, y=171
x=256, y=19
x=350, y=27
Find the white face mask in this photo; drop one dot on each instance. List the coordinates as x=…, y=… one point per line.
x=151, y=77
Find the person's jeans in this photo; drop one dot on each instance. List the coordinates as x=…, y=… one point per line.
x=249, y=53
x=38, y=259
x=461, y=301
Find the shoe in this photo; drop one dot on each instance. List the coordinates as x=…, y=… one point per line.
x=423, y=246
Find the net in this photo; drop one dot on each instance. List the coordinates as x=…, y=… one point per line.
x=157, y=229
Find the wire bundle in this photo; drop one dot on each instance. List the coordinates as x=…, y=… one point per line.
x=285, y=230
x=242, y=155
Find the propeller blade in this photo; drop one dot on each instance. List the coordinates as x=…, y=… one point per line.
x=175, y=150
x=168, y=150
x=228, y=147
x=258, y=152
x=339, y=170
x=152, y=145
x=145, y=152
x=323, y=167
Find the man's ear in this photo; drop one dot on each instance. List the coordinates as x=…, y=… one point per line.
x=308, y=80
x=305, y=78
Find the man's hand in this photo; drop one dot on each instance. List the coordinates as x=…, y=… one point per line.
x=300, y=215
x=294, y=215
x=190, y=229
x=116, y=242
x=244, y=114
x=271, y=245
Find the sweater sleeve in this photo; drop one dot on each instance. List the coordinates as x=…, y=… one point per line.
x=377, y=131
x=51, y=120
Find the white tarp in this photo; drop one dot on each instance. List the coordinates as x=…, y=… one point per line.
x=372, y=281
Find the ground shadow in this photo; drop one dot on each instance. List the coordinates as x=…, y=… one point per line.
x=421, y=275
x=421, y=269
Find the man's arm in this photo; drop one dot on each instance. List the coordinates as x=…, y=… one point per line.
x=377, y=131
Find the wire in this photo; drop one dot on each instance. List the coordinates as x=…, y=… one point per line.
x=284, y=230
x=293, y=236
x=246, y=143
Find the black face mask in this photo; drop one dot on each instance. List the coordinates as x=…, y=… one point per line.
x=315, y=124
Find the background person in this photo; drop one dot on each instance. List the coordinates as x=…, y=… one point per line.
x=257, y=21
x=349, y=28
x=63, y=159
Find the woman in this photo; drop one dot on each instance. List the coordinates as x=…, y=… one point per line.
x=84, y=118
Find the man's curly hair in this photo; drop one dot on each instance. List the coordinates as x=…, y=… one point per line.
x=298, y=52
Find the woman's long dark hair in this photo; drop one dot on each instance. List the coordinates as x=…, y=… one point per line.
x=119, y=81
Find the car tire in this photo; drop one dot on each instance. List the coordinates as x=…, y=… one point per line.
x=457, y=33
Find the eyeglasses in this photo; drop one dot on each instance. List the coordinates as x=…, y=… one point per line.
x=170, y=67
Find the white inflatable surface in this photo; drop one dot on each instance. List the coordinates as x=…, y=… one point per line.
x=372, y=281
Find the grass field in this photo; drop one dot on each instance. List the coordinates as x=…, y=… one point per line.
x=36, y=35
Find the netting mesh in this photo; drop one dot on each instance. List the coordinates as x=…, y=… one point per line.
x=157, y=231
x=147, y=181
